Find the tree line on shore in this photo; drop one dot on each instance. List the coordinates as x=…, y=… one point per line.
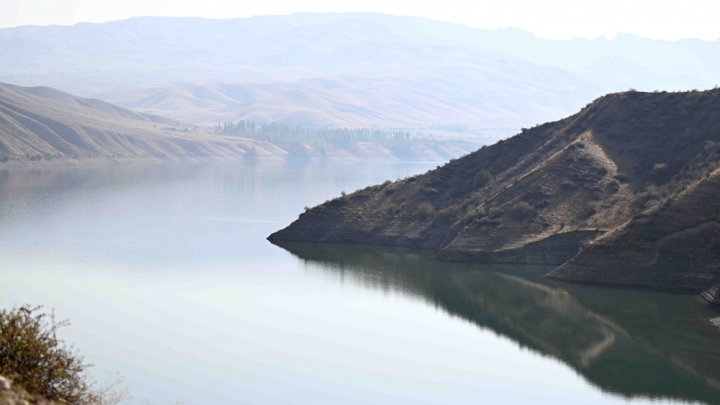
x=317, y=137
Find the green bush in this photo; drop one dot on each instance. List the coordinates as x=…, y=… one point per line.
x=449, y=212
x=521, y=211
x=482, y=178
x=425, y=210
x=477, y=213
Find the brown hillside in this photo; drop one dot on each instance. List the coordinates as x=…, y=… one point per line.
x=543, y=196
x=40, y=123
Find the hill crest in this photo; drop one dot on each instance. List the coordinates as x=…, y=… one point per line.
x=630, y=164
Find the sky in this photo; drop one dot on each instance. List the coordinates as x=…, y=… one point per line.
x=554, y=19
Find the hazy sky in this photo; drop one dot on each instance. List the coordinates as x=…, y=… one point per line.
x=557, y=19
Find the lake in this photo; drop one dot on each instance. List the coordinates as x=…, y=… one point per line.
x=166, y=276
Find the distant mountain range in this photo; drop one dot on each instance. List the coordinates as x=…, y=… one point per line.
x=345, y=69
x=494, y=96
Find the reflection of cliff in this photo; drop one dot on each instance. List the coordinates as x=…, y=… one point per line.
x=598, y=335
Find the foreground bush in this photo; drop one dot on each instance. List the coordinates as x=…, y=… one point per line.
x=33, y=357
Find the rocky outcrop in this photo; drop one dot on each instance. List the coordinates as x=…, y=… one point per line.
x=623, y=193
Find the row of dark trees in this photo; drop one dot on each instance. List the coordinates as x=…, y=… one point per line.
x=288, y=134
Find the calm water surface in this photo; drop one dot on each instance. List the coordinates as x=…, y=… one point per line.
x=167, y=278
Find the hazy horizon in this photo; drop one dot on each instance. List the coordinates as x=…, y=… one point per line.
x=566, y=20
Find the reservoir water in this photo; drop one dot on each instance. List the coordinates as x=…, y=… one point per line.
x=166, y=276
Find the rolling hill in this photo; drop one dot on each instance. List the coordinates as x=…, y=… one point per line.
x=622, y=193
x=41, y=124
x=496, y=96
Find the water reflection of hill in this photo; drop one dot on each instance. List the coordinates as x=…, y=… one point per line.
x=625, y=342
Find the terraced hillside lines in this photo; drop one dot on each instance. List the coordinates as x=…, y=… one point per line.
x=675, y=246
x=40, y=124
x=626, y=188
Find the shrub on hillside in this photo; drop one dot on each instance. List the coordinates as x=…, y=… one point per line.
x=521, y=211
x=477, y=213
x=450, y=212
x=613, y=187
x=425, y=210
x=650, y=197
x=482, y=178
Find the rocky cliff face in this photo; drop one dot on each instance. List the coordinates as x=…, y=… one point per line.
x=624, y=190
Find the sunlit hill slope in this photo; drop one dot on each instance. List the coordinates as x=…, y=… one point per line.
x=40, y=123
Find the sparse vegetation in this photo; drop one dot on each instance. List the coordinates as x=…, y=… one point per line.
x=477, y=213
x=34, y=357
x=425, y=210
x=521, y=211
x=290, y=137
x=449, y=212
x=612, y=187
x=482, y=178
x=649, y=197
x=553, y=180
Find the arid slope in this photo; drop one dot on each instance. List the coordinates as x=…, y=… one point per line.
x=40, y=123
x=629, y=176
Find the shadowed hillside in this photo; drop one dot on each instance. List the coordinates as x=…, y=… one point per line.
x=632, y=176
x=40, y=123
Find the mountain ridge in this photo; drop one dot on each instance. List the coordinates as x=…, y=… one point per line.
x=119, y=61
